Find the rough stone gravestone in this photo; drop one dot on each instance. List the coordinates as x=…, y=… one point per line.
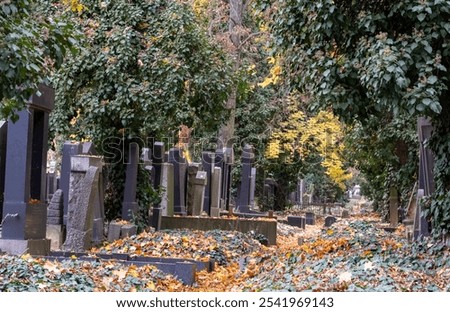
x=208, y=165
x=329, y=220
x=24, y=208
x=129, y=205
x=193, y=168
x=69, y=149
x=216, y=185
x=84, y=181
x=157, y=161
x=310, y=218
x=167, y=186
x=180, y=175
x=243, y=204
x=55, y=213
x=200, y=183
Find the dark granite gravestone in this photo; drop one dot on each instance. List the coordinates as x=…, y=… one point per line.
x=180, y=175
x=51, y=185
x=329, y=220
x=297, y=221
x=24, y=208
x=83, y=193
x=129, y=206
x=208, y=159
x=226, y=174
x=393, y=207
x=69, y=149
x=157, y=160
x=247, y=158
x=310, y=218
x=3, y=134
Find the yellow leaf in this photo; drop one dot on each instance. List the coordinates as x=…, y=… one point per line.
x=150, y=285
x=330, y=231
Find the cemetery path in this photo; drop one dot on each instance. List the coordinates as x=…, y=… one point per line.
x=354, y=254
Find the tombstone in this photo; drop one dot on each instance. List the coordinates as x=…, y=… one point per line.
x=84, y=182
x=300, y=191
x=228, y=162
x=297, y=221
x=243, y=204
x=129, y=205
x=252, y=187
x=55, y=213
x=216, y=185
x=393, y=207
x=207, y=165
x=24, y=207
x=69, y=149
x=50, y=186
x=345, y=214
x=193, y=168
x=3, y=133
x=329, y=220
x=88, y=148
x=157, y=161
x=310, y=218
x=198, y=200
x=167, y=187
x=180, y=174
x=269, y=194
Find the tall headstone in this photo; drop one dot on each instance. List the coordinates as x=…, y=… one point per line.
x=229, y=162
x=167, y=186
x=252, y=187
x=200, y=183
x=208, y=165
x=55, y=228
x=129, y=205
x=219, y=161
x=51, y=185
x=180, y=176
x=216, y=185
x=193, y=168
x=3, y=133
x=24, y=207
x=247, y=158
x=69, y=149
x=157, y=161
x=84, y=182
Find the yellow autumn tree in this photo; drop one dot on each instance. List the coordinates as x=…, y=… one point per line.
x=298, y=135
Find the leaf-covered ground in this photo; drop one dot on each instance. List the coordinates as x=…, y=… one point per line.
x=354, y=254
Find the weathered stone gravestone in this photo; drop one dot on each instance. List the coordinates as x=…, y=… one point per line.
x=55, y=213
x=167, y=190
x=243, y=204
x=216, y=186
x=198, y=199
x=193, y=168
x=180, y=176
x=224, y=159
x=130, y=206
x=345, y=214
x=269, y=194
x=393, y=206
x=208, y=165
x=297, y=221
x=329, y=220
x=252, y=187
x=84, y=183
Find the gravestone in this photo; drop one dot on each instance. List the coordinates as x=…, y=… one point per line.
x=247, y=158
x=297, y=221
x=329, y=220
x=208, y=159
x=345, y=214
x=69, y=149
x=157, y=161
x=225, y=160
x=180, y=175
x=50, y=185
x=193, y=168
x=84, y=182
x=269, y=194
x=252, y=187
x=198, y=199
x=24, y=207
x=393, y=207
x=216, y=186
x=129, y=206
x=55, y=213
x=3, y=133
x=167, y=187
x=310, y=218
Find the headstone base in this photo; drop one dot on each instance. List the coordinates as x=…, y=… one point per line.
x=35, y=247
x=56, y=235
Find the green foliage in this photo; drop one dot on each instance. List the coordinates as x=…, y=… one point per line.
x=146, y=68
x=31, y=47
x=375, y=61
